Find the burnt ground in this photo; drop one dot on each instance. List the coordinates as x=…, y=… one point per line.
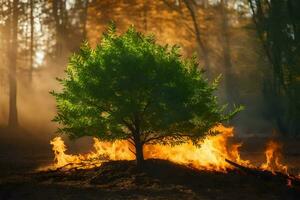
x=159, y=179
x=20, y=154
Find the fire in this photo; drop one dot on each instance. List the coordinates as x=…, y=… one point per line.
x=273, y=156
x=103, y=151
x=208, y=154
x=60, y=157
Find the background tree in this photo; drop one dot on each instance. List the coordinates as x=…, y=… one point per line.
x=278, y=26
x=229, y=76
x=193, y=9
x=41, y=57
x=131, y=88
x=13, y=52
x=69, y=24
x=203, y=50
x=31, y=39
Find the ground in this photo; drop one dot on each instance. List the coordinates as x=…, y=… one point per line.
x=159, y=179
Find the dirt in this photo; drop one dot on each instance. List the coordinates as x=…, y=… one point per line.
x=159, y=179
x=21, y=154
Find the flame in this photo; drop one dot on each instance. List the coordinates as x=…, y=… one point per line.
x=273, y=156
x=208, y=154
x=103, y=151
x=60, y=157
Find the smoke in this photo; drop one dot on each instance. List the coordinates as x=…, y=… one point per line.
x=36, y=107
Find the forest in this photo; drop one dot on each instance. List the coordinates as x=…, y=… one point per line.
x=252, y=43
x=250, y=47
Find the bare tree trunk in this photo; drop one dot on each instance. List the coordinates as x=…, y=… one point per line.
x=58, y=10
x=31, y=39
x=13, y=113
x=145, y=15
x=85, y=15
x=230, y=82
x=203, y=49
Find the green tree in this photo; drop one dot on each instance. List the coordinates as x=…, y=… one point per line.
x=131, y=88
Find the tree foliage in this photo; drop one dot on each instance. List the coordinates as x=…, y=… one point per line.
x=129, y=87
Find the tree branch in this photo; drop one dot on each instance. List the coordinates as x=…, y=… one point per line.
x=129, y=125
x=172, y=6
x=131, y=141
x=131, y=151
x=164, y=136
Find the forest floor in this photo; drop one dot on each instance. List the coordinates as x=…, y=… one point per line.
x=20, y=156
x=159, y=179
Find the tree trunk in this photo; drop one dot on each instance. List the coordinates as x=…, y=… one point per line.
x=58, y=11
x=84, y=20
x=230, y=82
x=13, y=113
x=201, y=46
x=31, y=39
x=134, y=128
x=138, y=143
x=145, y=15
x=139, y=153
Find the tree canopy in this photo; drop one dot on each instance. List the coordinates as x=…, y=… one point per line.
x=130, y=87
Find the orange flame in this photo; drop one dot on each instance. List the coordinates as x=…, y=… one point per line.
x=209, y=154
x=60, y=157
x=103, y=151
x=273, y=156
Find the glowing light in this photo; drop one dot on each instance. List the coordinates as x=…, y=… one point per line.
x=39, y=58
x=273, y=156
x=209, y=154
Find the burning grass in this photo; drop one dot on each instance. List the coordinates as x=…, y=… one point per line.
x=185, y=171
x=187, y=165
x=209, y=154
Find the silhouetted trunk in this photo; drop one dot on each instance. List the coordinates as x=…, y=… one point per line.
x=58, y=11
x=31, y=39
x=281, y=45
x=203, y=49
x=85, y=15
x=271, y=86
x=230, y=79
x=145, y=15
x=13, y=113
x=138, y=143
x=138, y=151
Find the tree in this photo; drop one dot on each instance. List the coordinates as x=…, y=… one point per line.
x=131, y=88
x=230, y=84
x=31, y=39
x=193, y=8
x=60, y=20
x=277, y=24
x=13, y=51
x=190, y=4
